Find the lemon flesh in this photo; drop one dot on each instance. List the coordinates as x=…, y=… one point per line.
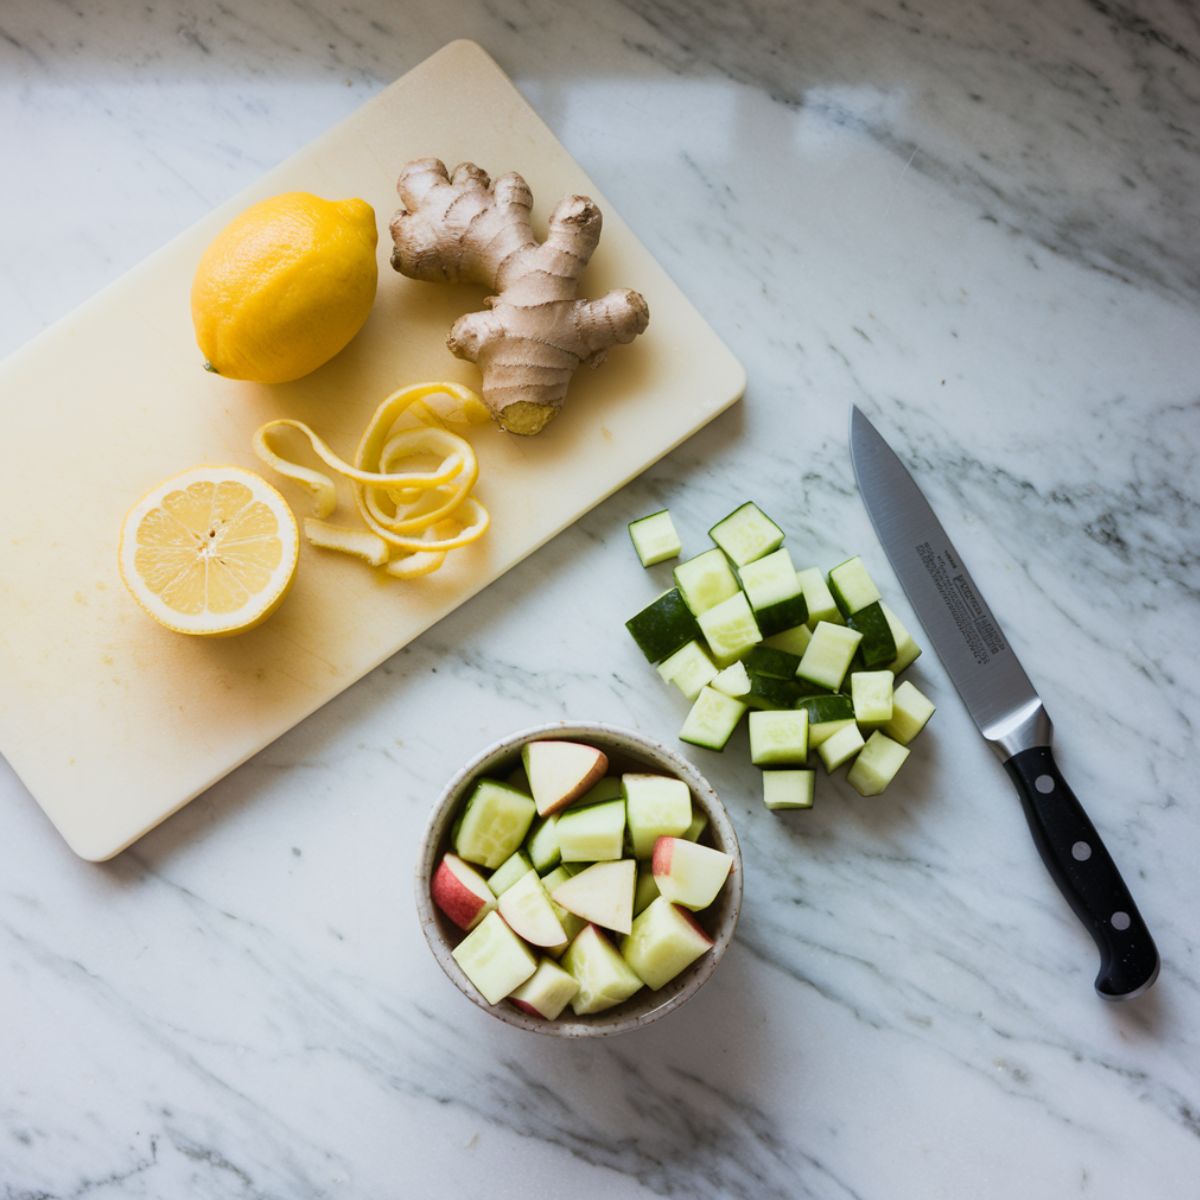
x=210, y=552
x=285, y=286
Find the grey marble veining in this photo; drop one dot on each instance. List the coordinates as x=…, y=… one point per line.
x=975, y=221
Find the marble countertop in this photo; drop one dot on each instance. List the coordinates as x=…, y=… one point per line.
x=978, y=222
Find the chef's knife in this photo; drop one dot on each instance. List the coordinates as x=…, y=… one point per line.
x=1004, y=705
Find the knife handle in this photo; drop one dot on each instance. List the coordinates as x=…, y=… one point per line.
x=1086, y=875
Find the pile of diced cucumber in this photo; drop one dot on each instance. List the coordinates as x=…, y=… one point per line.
x=812, y=658
x=548, y=866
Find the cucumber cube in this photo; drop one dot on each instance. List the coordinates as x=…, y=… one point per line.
x=779, y=738
x=821, y=731
x=872, y=695
x=746, y=534
x=655, y=806
x=706, y=580
x=547, y=991
x=542, y=844
x=508, y=873
x=570, y=922
x=778, y=664
x=730, y=627
x=852, y=587
x=818, y=597
x=733, y=681
x=697, y=827
x=662, y=627
x=789, y=789
x=592, y=834
x=646, y=890
x=907, y=651
x=494, y=959
x=689, y=669
x=712, y=720
x=494, y=824
x=605, y=979
x=876, y=765
x=841, y=747
x=832, y=706
x=654, y=538
x=878, y=647
x=793, y=641
x=829, y=655
x=784, y=615
x=769, y=580
x=766, y=692
x=609, y=788
x=911, y=710
x=663, y=942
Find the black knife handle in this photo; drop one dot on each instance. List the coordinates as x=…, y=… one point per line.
x=1086, y=875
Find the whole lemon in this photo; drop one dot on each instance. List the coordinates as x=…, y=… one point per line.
x=285, y=286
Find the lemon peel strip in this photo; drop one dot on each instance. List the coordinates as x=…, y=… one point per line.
x=422, y=514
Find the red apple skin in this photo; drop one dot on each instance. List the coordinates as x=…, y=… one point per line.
x=589, y=781
x=691, y=920
x=455, y=899
x=660, y=860
x=525, y=1006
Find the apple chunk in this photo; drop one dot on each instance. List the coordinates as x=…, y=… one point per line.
x=605, y=978
x=602, y=894
x=461, y=892
x=560, y=772
x=688, y=873
x=494, y=959
x=665, y=940
x=547, y=991
x=527, y=909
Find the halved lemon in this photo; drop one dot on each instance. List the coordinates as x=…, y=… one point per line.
x=210, y=552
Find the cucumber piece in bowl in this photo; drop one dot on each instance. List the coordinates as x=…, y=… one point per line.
x=493, y=824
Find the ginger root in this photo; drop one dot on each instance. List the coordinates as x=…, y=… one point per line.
x=535, y=332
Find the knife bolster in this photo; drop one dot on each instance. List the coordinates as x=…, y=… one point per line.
x=1022, y=729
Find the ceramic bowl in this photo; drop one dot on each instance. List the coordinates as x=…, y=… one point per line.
x=627, y=751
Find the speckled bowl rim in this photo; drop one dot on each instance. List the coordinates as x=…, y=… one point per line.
x=647, y=1006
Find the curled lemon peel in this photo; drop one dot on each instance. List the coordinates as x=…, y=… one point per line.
x=414, y=518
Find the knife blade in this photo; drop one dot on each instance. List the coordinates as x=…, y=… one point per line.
x=1006, y=707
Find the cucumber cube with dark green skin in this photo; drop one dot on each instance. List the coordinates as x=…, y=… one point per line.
x=852, y=586
x=786, y=614
x=746, y=534
x=663, y=627
x=766, y=692
x=774, y=591
x=831, y=707
x=779, y=664
x=878, y=646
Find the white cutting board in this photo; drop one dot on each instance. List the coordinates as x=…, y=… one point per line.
x=114, y=723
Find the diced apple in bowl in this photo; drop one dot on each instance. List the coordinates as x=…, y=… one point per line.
x=560, y=772
x=574, y=887
x=461, y=892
